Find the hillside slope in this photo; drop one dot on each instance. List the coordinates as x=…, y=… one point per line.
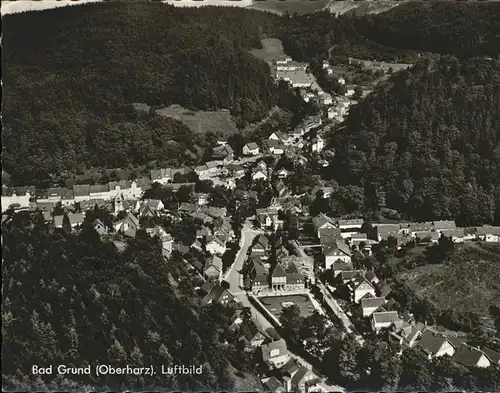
x=427, y=143
x=70, y=71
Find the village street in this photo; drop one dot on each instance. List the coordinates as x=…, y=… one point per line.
x=235, y=279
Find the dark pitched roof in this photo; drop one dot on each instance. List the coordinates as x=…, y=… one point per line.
x=279, y=271
x=467, y=355
x=274, y=386
x=369, y=302
x=431, y=342
x=492, y=355
x=384, y=317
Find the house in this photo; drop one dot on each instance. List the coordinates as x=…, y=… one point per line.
x=426, y=236
x=99, y=227
x=371, y=304
x=259, y=175
x=147, y=211
x=216, y=246
x=447, y=225
x=268, y=218
x=383, y=231
x=435, y=345
x=278, y=136
x=325, y=98
x=294, y=279
x=275, y=353
x=262, y=244
x=75, y=220
x=350, y=275
x=274, y=146
x=329, y=235
x=252, y=336
x=283, y=173
x=493, y=356
x=407, y=334
x=471, y=357
x=302, y=379
x=322, y=221
x=383, y=320
x=218, y=294
x=129, y=225
x=155, y=204
x=223, y=152
x=278, y=278
x=488, y=234
x=360, y=288
x=457, y=235
x=259, y=276
x=339, y=266
x=165, y=239
x=317, y=144
x=336, y=251
x=273, y=385
x=351, y=224
x=213, y=268
x=251, y=149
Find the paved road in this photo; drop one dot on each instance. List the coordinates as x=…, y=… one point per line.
x=235, y=279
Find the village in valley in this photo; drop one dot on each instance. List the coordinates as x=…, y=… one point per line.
x=244, y=226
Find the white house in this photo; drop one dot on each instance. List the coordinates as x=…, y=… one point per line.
x=471, y=357
x=216, y=246
x=283, y=173
x=251, y=149
x=435, y=345
x=17, y=201
x=213, y=268
x=322, y=221
x=325, y=99
x=360, y=288
x=259, y=175
x=275, y=353
x=337, y=251
x=383, y=320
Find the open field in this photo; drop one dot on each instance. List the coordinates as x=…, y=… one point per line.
x=272, y=50
x=469, y=280
x=274, y=304
x=198, y=121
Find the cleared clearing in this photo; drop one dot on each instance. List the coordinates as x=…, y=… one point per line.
x=200, y=122
x=272, y=50
x=469, y=280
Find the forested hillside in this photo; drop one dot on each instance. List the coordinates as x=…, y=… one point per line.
x=428, y=143
x=75, y=300
x=68, y=72
x=464, y=29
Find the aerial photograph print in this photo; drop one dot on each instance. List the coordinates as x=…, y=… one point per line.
x=260, y=196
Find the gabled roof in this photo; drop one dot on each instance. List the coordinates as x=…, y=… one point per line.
x=492, y=355
x=385, y=316
x=215, y=294
x=279, y=271
x=267, y=348
x=263, y=240
x=322, y=219
x=431, y=342
x=274, y=386
x=338, y=245
x=214, y=261
x=299, y=375
x=444, y=225
x=369, y=302
x=352, y=274
x=252, y=146
x=133, y=219
x=467, y=355
x=290, y=367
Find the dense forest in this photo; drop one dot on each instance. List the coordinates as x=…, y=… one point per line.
x=427, y=143
x=69, y=72
x=76, y=300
